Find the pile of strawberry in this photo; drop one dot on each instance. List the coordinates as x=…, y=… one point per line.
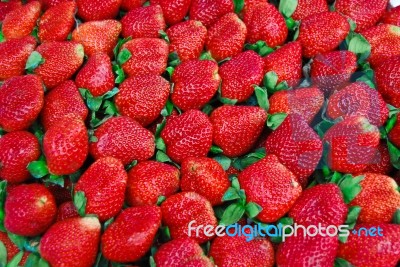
x=122, y=121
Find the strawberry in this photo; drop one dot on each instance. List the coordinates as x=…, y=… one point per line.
x=104, y=184
x=59, y=243
x=123, y=138
x=174, y=10
x=236, y=128
x=392, y=16
x=394, y=135
x=180, y=209
x=98, y=9
x=306, y=8
x=98, y=36
x=61, y=193
x=238, y=79
x=286, y=62
x=149, y=180
x=17, y=150
x=388, y=80
x=131, y=235
x=61, y=61
x=195, y=83
x=372, y=251
x=66, y=210
x=381, y=164
x=14, y=54
x=208, y=11
x=187, y=135
x=146, y=101
x=46, y=4
x=306, y=102
x=226, y=37
x=64, y=100
x=7, y=7
x=265, y=23
x=21, y=21
x=352, y=144
x=66, y=145
x=21, y=99
x=272, y=186
x=322, y=32
x=97, y=75
x=148, y=56
x=358, y=99
x=57, y=22
x=331, y=70
x=143, y=22
x=131, y=4
x=11, y=248
x=30, y=209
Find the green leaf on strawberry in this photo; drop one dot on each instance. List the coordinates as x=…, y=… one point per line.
x=14, y=262
x=287, y=7
x=238, y=4
x=123, y=56
x=350, y=186
x=38, y=169
x=3, y=193
x=275, y=120
x=394, y=153
x=352, y=216
x=119, y=44
x=224, y=161
x=18, y=240
x=396, y=217
x=253, y=209
x=227, y=101
x=232, y=214
x=262, y=97
x=359, y=46
x=339, y=262
x=34, y=60
x=164, y=36
x=167, y=110
x=80, y=201
x=260, y=47
x=3, y=254
x=230, y=194
x=119, y=72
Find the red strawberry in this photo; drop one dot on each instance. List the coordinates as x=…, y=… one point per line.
x=66, y=145
x=358, y=99
x=46, y=4
x=66, y=210
x=57, y=22
x=238, y=79
x=387, y=77
x=21, y=21
x=272, y=186
x=226, y=37
x=13, y=56
x=21, y=99
x=30, y=210
x=174, y=10
x=352, y=144
x=236, y=128
x=322, y=32
x=11, y=248
x=286, y=62
x=142, y=97
x=392, y=16
x=187, y=135
x=131, y=4
x=381, y=162
x=394, y=134
x=195, y=83
x=98, y=9
x=123, y=138
x=330, y=71
x=180, y=209
x=265, y=23
x=208, y=11
x=7, y=7
x=61, y=193
x=59, y=243
x=98, y=36
x=131, y=235
x=149, y=180
x=306, y=8
x=104, y=184
x=148, y=56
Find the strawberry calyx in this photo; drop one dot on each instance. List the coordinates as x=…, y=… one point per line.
x=116, y=65
x=396, y=217
x=34, y=60
x=79, y=199
x=394, y=151
x=287, y=8
x=3, y=193
x=339, y=262
x=238, y=6
x=260, y=47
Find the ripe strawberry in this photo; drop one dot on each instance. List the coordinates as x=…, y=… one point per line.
x=7, y=7
x=236, y=128
x=394, y=135
x=17, y=150
x=187, y=135
x=392, y=16
x=226, y=37
x=208, y=11
x=59, y=243
x=13, y=56
x=195, y=83
x=61, y=193
x=331, y=70
x=142, y=97
x=358, y=99
x=46, y=4
x=180, y=209
x=66, y=145
x=372, y=251
x=21, y=99
x=352, y=144
x=11, y=248
x=98, y=9
x=174, y=10
x=104, y=184
x=286, y=62
x=98, y=36
x=272, y=186
x=148, y=56
x=322, y=32
x=30, y=209
x=57, y=22
x=380, y=164
x=238, y=79
x=388, y=80
x=131, y=4
x=306, y=8
x=131, y=235
x=61, y=61
x=64, y=100
x=123, y=138
x=306, y=102
x=149, y=180
x=265, y=23
x=66, y=210
x=21, y=21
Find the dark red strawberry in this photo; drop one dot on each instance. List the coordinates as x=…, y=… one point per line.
x=394, y=134
x=131, y=4
x=387, y=77
x=98, y=9
x=392, y=16
x=7, y=7
x=66, y=210
x=174, y=10
x=61, y=193
x=381, y=162
x=208, y=11
x=306, y=8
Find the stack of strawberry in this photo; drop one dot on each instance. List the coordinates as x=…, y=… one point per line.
x=126, y=123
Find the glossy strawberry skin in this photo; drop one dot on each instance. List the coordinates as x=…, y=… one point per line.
x=394, y=134
x=66, y=210
x=381, y=163
x=195, y=83
x=131, y=4
x=21, y=99
x=306, y=8
x=123, y=138
x=7, y=7
x=120, y=242
x=392, y=16
x=208, y=11
x=174, y=10
x=97, y=9
x=388, y=80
